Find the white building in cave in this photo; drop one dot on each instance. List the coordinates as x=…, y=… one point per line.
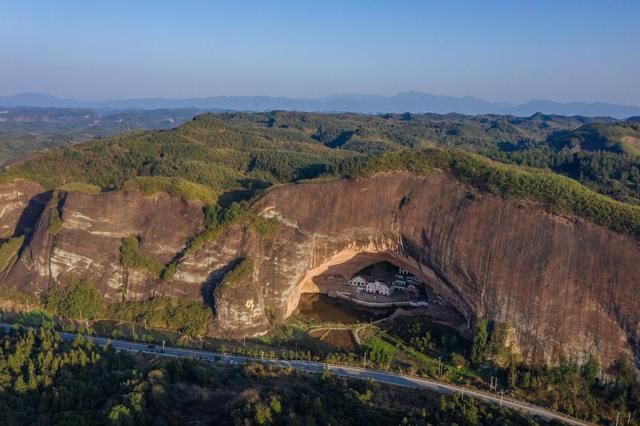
x=377, y=287
x=358, y=281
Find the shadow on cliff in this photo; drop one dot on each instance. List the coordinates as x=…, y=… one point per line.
x=250, y=189
x=214, y=278
x=31, y=214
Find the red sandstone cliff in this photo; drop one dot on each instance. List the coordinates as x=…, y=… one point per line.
x=21, y=203
x=566, y=287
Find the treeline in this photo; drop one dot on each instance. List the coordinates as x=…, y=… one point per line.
x=79, y=300
x=46, y=380
x=583, y=390
x=329, y=399
x=610, y=173
x=557, y=193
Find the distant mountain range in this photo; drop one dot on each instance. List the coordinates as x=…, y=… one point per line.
x=415, y=102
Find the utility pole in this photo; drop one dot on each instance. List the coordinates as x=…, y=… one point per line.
x=163, y=346
x=494, y=384
x=501, y=396
x=365, y=360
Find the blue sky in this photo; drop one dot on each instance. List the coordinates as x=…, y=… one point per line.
x=498, y=50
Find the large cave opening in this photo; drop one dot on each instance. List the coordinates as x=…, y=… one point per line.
x=367, y=286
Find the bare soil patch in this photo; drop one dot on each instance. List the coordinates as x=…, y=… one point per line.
x=339, y=339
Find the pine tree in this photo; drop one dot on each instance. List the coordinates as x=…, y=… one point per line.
x=480, y=338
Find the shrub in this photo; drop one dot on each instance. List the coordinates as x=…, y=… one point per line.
x=83, y=187
x=176, y=187
x=240, y=272
x=55, y=220
x=237, y=274
x=9, y=252
x=458, y=360
x=131, y=257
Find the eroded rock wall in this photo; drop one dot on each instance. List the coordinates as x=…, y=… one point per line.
x=88, y=245
x=567, y=287
x=21, y=203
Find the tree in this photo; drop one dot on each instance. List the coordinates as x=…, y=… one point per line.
x=512, y=374
x=275, y=405
x=590, y=370
x=458, y=360
x=80, y=300
x=120, y=415
x=480, y=338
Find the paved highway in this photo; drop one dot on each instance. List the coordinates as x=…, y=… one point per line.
x=317, y=367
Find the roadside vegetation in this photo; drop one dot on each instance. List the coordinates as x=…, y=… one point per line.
x=186, y=317
x=407, y=345
x=45, y=380
x=79, y=306
x=420, y=347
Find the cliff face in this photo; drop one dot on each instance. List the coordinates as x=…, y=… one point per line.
x=88, y=244
x=566, y=287
x=21, y=203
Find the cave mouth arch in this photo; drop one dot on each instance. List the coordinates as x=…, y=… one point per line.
x=336, y=271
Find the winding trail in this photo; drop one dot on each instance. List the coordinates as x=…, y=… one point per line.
x=340, y=370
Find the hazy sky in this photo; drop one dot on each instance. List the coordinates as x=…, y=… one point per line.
x=498, y=50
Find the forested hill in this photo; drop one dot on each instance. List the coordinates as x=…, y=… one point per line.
x=236, y=155
x=26, y=129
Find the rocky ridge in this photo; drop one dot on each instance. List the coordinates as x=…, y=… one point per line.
x=564, y=286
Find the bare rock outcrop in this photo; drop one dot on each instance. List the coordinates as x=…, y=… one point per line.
x=21, y=203
x=88, y=243
x=566, y=287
